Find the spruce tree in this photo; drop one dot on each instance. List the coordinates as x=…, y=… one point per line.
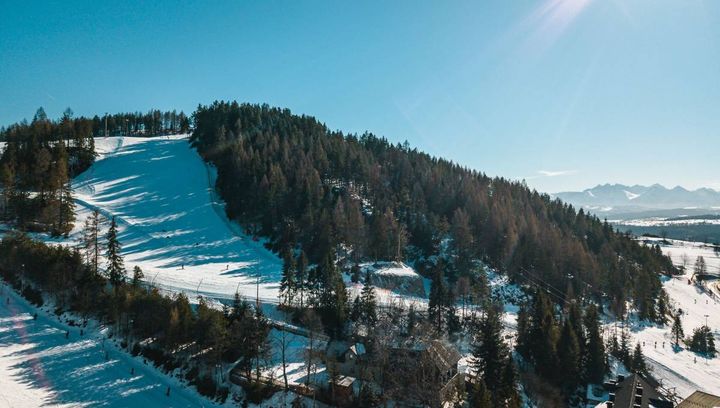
x=595, y=366
x=543, y=336
x=489, y=351
x=637, y=362
x=301, y=277
x=437, y=298
x=677, y=329
x=115, y=270
x=137, y=276
x=523, y=331
x=703, y=341
x=569, y=362
x=287, y=282
x=369, y=304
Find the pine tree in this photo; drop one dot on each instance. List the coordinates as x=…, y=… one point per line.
x=677, y=329
x=569, y=362
x=575, y=319
x=137, y=277
x=624, y=352
x=288, y=285
x=523, y=331
x=356, y=311
x=509, y=395
x=115, y=269
x=595, y=366
x=637, y=363
x=703, y=341
x=489, y=351
x=369, y=304
x=543, y=336
x=301, y=277
x=437, y=299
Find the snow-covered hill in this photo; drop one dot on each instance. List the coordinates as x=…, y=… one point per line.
x=171, y=222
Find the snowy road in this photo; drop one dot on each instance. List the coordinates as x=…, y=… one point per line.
x=39, y=366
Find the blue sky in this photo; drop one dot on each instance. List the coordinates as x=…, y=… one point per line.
x=563, y=93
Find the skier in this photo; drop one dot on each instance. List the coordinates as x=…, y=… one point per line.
x=167, y=393
x=67, y=334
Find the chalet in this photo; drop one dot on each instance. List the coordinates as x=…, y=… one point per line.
x=699, y=399
x=634, y=391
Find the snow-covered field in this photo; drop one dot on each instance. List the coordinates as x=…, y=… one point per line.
x=39, y=366
x=683, y=369
x=170, y=220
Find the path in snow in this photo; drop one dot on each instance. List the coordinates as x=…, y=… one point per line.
x=39, y=366
x=171, y=223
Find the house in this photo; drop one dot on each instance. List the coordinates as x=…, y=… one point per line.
x=343, y=388
x=346, y=356
x=699, y=399
x=354, y=352
x=634, y=391
x=445, y=359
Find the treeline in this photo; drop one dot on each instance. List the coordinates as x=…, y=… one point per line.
x=196, y=340
x=36, y=165
x=151, y=123
x=309, y=189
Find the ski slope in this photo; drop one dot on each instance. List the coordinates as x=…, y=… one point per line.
x=39, y=366
x=171, y=222
x=682, y=369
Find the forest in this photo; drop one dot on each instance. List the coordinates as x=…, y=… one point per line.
x=329, y=195
x=327, y=201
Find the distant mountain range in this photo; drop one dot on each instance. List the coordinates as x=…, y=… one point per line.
x=619, y=198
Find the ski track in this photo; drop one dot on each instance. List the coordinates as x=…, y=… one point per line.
x=171, y=222
x=40, y=367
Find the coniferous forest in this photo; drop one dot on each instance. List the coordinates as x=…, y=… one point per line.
x=323, y=193
x=326, y=202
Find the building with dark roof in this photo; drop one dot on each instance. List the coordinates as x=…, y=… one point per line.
x=634, y=391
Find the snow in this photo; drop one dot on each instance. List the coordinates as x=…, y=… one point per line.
x=682, y=369
x=630, y=195
x=390, y=269
x=171, y=222
x=39, y=366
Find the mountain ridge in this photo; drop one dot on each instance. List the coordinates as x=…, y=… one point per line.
x=620, y=197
